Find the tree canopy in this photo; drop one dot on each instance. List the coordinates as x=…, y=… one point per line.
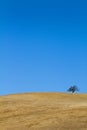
x=73, y=89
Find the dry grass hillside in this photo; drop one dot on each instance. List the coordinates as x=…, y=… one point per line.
x=43, y=111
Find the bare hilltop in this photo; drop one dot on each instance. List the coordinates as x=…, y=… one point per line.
x=43, y=111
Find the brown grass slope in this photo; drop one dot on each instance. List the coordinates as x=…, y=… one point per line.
x=43, y=111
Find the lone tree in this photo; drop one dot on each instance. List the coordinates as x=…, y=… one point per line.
x=73, y=89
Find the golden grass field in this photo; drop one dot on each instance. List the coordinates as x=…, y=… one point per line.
x=43, y=111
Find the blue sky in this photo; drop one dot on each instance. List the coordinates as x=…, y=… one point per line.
x=43, y=45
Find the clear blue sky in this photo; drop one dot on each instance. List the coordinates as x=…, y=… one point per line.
x=43, y=45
